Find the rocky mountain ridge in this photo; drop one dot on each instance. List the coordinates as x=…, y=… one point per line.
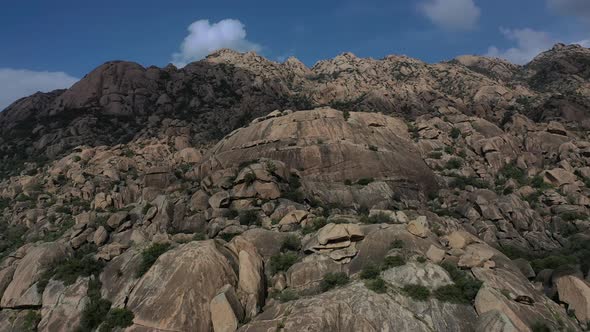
x=216, y=95
x=200, y=204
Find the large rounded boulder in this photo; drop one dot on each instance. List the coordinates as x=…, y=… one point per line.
x=328, y=148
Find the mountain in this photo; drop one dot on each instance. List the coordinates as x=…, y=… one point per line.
x=241, y=194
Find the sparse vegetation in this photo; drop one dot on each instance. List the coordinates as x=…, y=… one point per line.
x=392, y=261
x=334, y=279
x=538, y=183
x=435, y=155
x=117, y=317
x=81, y=264
x=540, y=327
x=291, y=243
x=454, y=163
x=417, y=292
x=314, y=226
x=377, y=218
x=271, y=167
x=377, y=285
x=455, y=133
x=249, y=178
x=346, y=115
x=461, y=182
x=511, y=171
x=370, y=271
x=282, y=261
x=286, y=295
x=249, y=217
x=365, y=181
x=95, y=310
x=31, y=320
x=150, y=255
x=465, y=287
x=397, y=244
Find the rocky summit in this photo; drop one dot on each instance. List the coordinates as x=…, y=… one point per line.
x=241, y=194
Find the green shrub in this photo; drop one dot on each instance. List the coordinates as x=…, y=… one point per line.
x=81, y=264
x=249, y=178
x=315, y=225
x=511, y=171
x=249, y=217
x=435, y=155
x=233, y=214
x=538, y=182
x=373, y=148
x=552, y=262
x=393, y=261
x=533, y=198
x=454, y=163
x=540, y=327
x=23, y=198
x=417, y=292
x=11, y=237
x=96, y=309
x=294, y=182
x=295, y=195
x=370, y=271
x=347, y=182
x=450, y=293
x=365, y=181
x=377, y=285
x=334, y=279
x=117, y=317
x=287, y=295
x=150, y=255
x=455, y=133
x=282, y=261
x=571, y=216
x=421, y=259
x=346, y=115
x=228, y=236
x=377, y=218
x=468, y=285
x=461, y=182
x=271, y=167
x=62, y=228
x=199, y=236
x=31, y=320
x=397, y=244
x=449, y=150
x=291, y=243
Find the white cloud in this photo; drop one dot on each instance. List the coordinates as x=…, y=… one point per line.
x=204, y=38
x=451, y=14
x=529, y=43
x=18, y=83
x=579, y=8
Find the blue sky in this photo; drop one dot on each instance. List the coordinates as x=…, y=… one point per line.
x=50, y=44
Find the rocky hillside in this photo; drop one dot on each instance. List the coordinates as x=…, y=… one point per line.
x=239, y=194
x=122, y=101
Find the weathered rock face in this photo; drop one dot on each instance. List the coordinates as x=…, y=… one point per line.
x=355, y=308
x=326, y=147
x=501, y=290
x=576, y=293
x=175, y=293
x=22, y=291
x=62, y=306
